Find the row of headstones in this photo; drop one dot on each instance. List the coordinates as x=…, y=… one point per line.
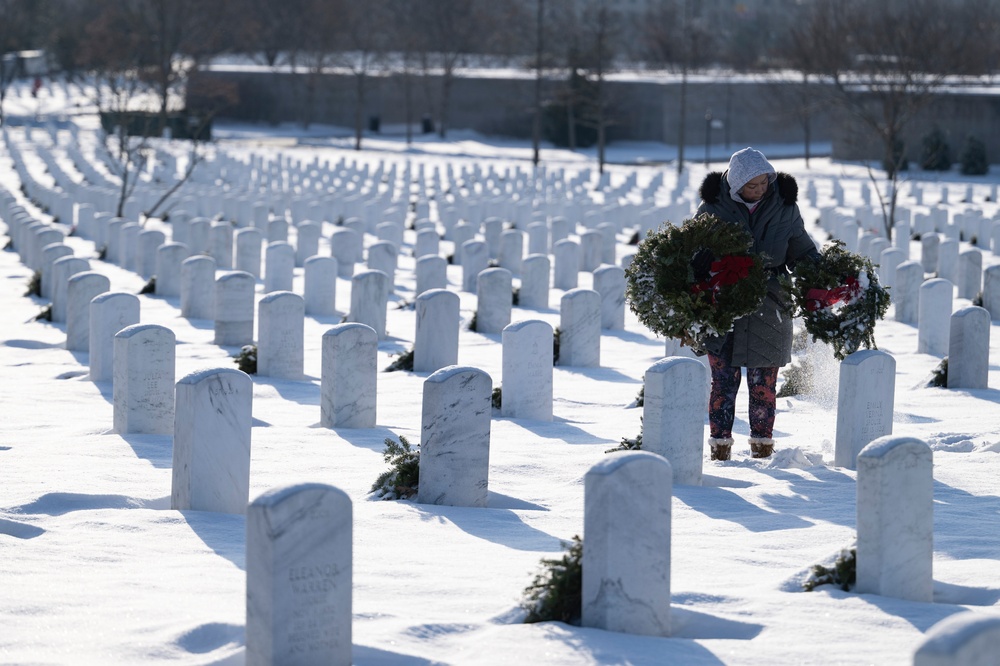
x=620, y=592
x=229, y=300
x=916, y=192
x=217, y=239
x=299, y=557
x=348, y=396
x=468, y=204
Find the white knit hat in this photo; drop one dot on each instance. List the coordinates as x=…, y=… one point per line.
x=744, y=166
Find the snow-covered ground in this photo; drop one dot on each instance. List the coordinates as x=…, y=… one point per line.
x=95, y=568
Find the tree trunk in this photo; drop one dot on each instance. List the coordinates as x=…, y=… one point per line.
x=359, y=110
x=681, y=121
x=446, y=81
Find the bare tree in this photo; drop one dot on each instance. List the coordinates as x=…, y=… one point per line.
x=363, y=38
x=670, y=35
x=449, y=32
x=601, y=27
x=129, y=82
x=20, y=28
x=883, y=62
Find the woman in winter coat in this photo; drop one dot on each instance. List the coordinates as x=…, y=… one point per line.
x=751, y=194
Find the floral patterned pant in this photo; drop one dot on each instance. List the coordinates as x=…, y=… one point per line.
x=722, y=402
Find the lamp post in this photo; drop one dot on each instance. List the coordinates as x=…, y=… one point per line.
x=708, y=133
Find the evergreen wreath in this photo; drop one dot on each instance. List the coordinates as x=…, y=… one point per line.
x=693, y=281
x=839, y=298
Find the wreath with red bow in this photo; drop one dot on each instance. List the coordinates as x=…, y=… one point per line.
x=693, y=281
x=839, y=299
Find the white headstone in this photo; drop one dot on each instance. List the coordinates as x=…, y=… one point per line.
x=435, y=344
x=462, y=232
x=383, y=256
x=345, y=247
x=432, y=273
x=62, y=270
x=306, y=241
x=495, y=295
x=527, y=371
x=320, y=288
x=934, y=317
x=511, y=250
x=110, y=312
x=277, y=230
x=580, y=328
x=249, y=242
x=538, y=238
x=150, y=241
x=876, y=247
x=895, y=518
x=280, y=337
x=969, y=348
x=906, y=294
x=128, y=246
x=967, y=638
x=559, y=229
x=534, y=291
x=221, y=244
x=566, y=262
x=475, y=259
x=211, y=463
x=970, y=273
x=279, y=267
x=626, y=547
x=609, y=282
x=80, y=290
x=198, y=236
x=234, y=309
x=591, y=250
x=609, y=232
x=46, y=258
x=169, y=259
x=948, y=260
x=891, y=258
x=675, y=401
x=390, y=232
x=492, y=228
x=427, y=245
x=299, y=576
x=991, y=291
x=198, y=287
x=455, y=437
x=143, y=389
x=369, y=300
x=348, y=377
x=865, y=402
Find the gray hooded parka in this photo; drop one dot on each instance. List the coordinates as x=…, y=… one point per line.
x=762, y=339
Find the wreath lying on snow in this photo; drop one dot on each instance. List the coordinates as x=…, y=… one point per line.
x=839, y=298
x=691, y=282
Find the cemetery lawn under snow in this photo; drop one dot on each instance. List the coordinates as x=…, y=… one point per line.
x=95, y=567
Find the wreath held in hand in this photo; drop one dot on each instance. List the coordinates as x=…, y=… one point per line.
x=691, y=282
x=839, y=298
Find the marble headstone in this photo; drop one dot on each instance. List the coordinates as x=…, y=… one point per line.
x=626, y=550
x=455, y=437
x=299, y=576
x=211, y=461
x=348, y=377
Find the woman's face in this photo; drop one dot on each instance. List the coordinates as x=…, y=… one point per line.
x=755, y=188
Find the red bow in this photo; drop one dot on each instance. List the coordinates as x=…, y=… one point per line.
x=724, y=272
x=824, y=298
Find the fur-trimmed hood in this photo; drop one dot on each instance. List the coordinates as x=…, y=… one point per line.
x=711, y=188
